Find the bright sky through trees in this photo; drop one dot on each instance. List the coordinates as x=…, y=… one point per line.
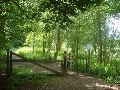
x=114, y=25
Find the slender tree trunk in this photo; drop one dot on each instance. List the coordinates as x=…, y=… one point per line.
x=3, y=39
x=100, y=46
x=95, y=42
x=105, y=56
x=43, y=42
x=49, y=45
x=77, y=45
x=77, y=48
x=33, y=42
x=57, y=44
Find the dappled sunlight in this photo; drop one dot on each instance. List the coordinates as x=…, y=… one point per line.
x=98, y=86
x=71, y=73
x=24, y=49
x=106, y=87
x=90, y=87
x=58, y=66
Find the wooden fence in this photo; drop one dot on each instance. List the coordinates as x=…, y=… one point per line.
x=9, y=65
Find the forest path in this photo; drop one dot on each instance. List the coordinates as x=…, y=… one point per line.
x=73, y=82
x=29, y=65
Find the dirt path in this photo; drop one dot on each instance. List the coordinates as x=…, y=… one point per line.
x=33, y=67
x=16, y=57
x=54, y=65
x=76, y=82
x=29, y=65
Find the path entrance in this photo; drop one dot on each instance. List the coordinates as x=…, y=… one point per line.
x=18, y=62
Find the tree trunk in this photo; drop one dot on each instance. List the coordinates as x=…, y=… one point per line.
x=77, y=45
x=43, y=43
x=33, y=42
x=105, y=56
x=57, y=44
x=49, y=46
x=100, y=46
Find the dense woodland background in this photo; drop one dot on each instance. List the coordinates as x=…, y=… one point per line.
x=43, y=29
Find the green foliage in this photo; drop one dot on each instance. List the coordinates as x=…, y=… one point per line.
x=101, y=70
x=2, y=53
x=28, y=53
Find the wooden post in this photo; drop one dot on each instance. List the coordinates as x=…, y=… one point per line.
x=88, y=62
x=116, y=66
x=80, y=62
x=8, y=63
x=77, y=64
x=65, y=64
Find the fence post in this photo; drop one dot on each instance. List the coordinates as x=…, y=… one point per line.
x=64, y=64
x=86, y=63
x=8, y=63
x=89, y=61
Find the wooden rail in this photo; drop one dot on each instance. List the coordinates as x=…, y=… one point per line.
x=48, y=68
x=43, y=66
x=9, y=61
